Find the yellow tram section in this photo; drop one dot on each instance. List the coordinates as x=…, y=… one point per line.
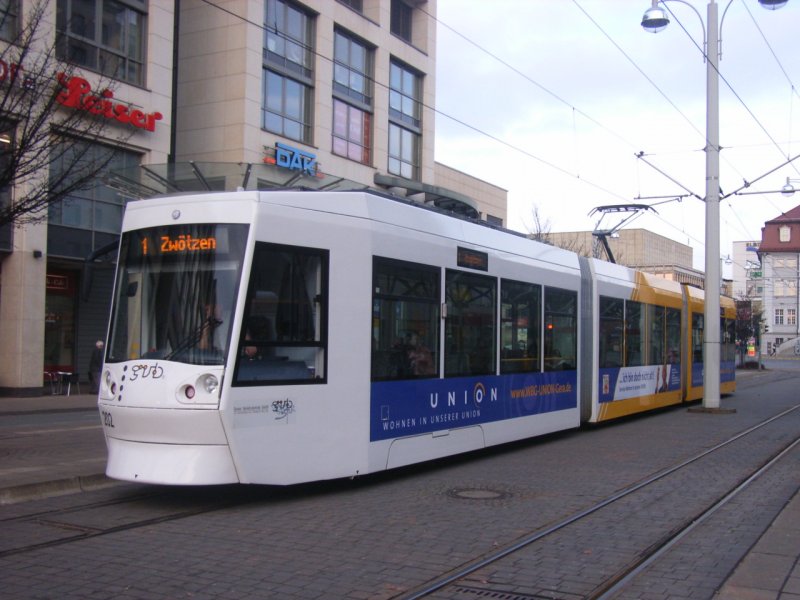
x=652, y=290
x=695, y=301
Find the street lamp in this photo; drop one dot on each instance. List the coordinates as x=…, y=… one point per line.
x=655, y=19
x=788, y=189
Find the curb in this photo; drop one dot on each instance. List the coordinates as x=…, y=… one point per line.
x=58, y=487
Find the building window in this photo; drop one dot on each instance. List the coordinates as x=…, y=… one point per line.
x=785, y=233
x=352, y=102
x=352, y=69
x=405, y=97
x=400, y=24
x=288, y=71
x=103, y=35
x=87, y=219
x=287, y=107
x=356, y=5
x=404, y=121
x=778, y=316
x=9, y=19
x=351, y=132
x=791, y=316
x=403, y=152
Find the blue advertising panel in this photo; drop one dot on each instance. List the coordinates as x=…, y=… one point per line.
x=402, y=408
x=727, y=372
x=633, y=382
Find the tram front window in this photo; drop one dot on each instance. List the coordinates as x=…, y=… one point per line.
x=175, y=293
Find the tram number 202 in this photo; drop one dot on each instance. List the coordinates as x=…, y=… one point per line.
x=108, y=421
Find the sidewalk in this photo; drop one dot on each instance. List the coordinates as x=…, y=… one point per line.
x=59, y=458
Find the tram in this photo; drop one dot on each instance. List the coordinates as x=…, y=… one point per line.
x=281, y=337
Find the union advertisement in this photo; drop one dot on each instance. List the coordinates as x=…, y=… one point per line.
x=402, y=408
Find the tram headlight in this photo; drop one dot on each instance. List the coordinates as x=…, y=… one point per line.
x=111, y=385
x=210, y=383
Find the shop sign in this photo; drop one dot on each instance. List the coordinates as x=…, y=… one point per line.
x=57, y=282
x=295, y=159
x=9, y=72
x=77, y=94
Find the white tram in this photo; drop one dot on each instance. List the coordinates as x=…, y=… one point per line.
x=281, y=337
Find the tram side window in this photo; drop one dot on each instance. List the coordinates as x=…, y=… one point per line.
x=657, y=322
x=470, y=335
x=673, y=336
x=634, y=334
x=560, y=329
x=611, y=331
x=697, y=338
x=405, y=320
x=520, y=327
x=728, y=332
x=284, y=332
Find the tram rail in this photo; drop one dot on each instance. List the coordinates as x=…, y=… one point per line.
x=458, y=579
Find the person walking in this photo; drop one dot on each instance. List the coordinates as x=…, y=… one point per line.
x=95, y=366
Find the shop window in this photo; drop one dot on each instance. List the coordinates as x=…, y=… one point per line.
x=405, y=320
x=89, y=218
x=9, y=19
x=104, y=35
x=520, y=327
x=470, y=330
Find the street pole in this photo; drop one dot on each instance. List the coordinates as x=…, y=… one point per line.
x=711, y=335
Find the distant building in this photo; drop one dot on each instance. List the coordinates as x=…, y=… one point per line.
x=639, y=249
x=779, y=252
x=748, y=281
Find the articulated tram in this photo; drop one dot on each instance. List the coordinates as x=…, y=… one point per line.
x=288, y=336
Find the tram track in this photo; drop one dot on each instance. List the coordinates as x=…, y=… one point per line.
x=460, y=582
x=59, y=519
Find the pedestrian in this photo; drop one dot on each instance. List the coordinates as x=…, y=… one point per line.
x=95, y=366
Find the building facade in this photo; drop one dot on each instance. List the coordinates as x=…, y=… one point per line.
x=255, y=94
x=638, y=249
x=117, y=64
x=779, y=252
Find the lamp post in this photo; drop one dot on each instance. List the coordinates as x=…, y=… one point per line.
x=655, y=19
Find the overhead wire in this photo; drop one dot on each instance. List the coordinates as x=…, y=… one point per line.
x=546, y=90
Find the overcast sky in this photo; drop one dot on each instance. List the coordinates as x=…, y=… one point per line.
x=553, y=99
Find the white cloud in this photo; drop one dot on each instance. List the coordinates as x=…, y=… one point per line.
x=570, y=110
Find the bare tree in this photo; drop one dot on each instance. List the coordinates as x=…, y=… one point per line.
x=541, y=227
x=48, y=117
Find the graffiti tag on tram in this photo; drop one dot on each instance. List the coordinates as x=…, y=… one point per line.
x=282, y=408
x=146, y=372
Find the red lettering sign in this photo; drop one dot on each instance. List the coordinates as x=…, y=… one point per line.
x=77, y=94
